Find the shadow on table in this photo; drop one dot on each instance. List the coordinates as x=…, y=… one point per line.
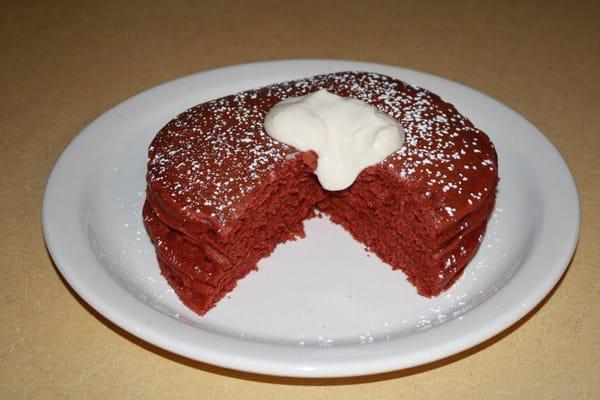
x=309, y=381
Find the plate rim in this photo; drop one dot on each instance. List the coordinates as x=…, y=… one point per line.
x=331, y=363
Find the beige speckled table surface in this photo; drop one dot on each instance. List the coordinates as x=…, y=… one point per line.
x=64, y=63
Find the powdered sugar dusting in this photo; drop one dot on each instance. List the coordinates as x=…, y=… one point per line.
x=204, y=161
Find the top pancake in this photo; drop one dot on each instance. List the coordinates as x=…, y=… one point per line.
x=203, y=162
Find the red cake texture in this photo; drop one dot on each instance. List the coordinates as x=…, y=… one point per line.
x=222, y=194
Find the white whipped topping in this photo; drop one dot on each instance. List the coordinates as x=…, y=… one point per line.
x=347, y=134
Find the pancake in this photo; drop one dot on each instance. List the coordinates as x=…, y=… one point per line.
x=221, y=193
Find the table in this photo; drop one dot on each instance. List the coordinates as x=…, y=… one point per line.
x=63, y=63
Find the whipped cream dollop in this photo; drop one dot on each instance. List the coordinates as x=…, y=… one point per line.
x=347, y=134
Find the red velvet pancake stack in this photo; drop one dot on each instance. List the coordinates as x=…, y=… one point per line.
x=222, y=194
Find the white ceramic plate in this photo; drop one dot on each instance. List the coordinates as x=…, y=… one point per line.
x=319, y=307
